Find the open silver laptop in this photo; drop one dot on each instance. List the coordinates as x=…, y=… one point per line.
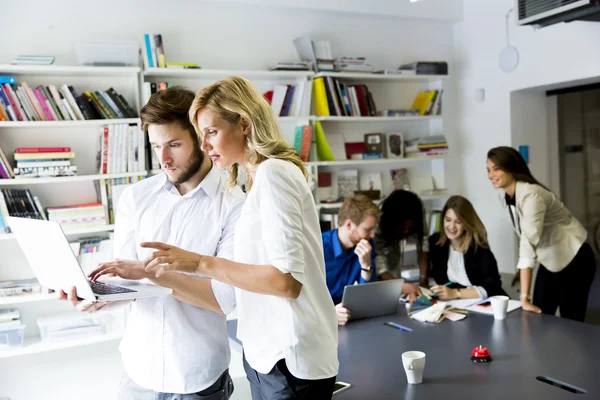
x=372, y=299
x=56, y=267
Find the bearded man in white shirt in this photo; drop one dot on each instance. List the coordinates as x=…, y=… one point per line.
x=175, y=347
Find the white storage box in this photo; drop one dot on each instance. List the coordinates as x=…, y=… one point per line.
x=69, y=326
x=108, y=53
x=11, y=336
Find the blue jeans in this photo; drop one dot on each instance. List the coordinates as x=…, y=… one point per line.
x=222, y=389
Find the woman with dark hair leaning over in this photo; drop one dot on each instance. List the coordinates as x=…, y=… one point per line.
x=548, y=235
x=402, y=222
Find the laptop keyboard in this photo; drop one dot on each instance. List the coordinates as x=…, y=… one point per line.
x=103, y=288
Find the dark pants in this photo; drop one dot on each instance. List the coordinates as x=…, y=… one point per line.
x=280, y=384
x=220, y=390
x=568, y=289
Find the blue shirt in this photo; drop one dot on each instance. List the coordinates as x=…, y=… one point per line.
x=342, y=267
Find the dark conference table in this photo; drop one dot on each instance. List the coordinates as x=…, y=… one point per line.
x=523, y=347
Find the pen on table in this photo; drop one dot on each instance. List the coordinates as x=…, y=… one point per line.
x=398, y=326
x=449, y=283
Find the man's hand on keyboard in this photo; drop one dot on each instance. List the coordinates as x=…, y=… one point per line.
x=82, y=305
x=124, y=269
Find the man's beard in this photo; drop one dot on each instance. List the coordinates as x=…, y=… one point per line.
x=193, y=166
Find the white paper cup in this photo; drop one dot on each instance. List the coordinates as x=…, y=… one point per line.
x=499, y=306
x=414, y=365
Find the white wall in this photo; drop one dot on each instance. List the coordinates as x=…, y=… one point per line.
x=216, y=35
x=559, y=53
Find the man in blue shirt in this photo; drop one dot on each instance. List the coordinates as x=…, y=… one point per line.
x=349, y=254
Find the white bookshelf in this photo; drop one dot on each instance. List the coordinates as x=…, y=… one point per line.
x=361, y=76
x=377, y=119
x=26, y=298
x=83, y=138
x=67, y=124
x=375, y=161
x=68, y=70
x=215, y=74
x=35, y=345
x=68, y=179
x=70, y=232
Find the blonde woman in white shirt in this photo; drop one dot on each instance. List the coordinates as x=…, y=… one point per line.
x=286, y=319
x=548, y=234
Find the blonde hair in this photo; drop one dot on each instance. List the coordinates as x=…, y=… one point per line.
x=356, y=208
x=235, y=98
x=474, y=230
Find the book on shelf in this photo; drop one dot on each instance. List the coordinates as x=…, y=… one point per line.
x=347, y=183
x=182, y=65
x=426, y=67
x=121, y=149
x=18, y=203
x=153, y=51
x=78, y=216
x=6, y=171
x=108, y=192
x=404, y=72
x=428, y=102
x=304, y=137
x=37, y=162
x=33, y=60
x=335, y=98
x=49, y=103
x=19, y=287
x=353, y=64
x=292, y=66
x=375, y=143
x=290, y=100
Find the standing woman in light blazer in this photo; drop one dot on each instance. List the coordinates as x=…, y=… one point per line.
x=548, y=234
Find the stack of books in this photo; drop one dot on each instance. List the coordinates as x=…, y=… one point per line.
x=292, y=66
x=49, y=103
x=33, y=60
x=436, y=145
x=38, y=162
x=426, y=67
x=353, y=64
x=20, y=287
x=78, y=216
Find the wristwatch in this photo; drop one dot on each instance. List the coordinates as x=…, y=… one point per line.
x=525, y=296
x=368, y=269
x=458, y=294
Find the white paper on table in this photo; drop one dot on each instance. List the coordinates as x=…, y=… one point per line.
x=512, y=306
x=431, y=314
x=462, y=304
x=452, y=316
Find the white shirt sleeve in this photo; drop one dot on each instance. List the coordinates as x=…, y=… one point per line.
x=224, y=293
x=280, y=202
x=481, y=292
x=124, y=242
